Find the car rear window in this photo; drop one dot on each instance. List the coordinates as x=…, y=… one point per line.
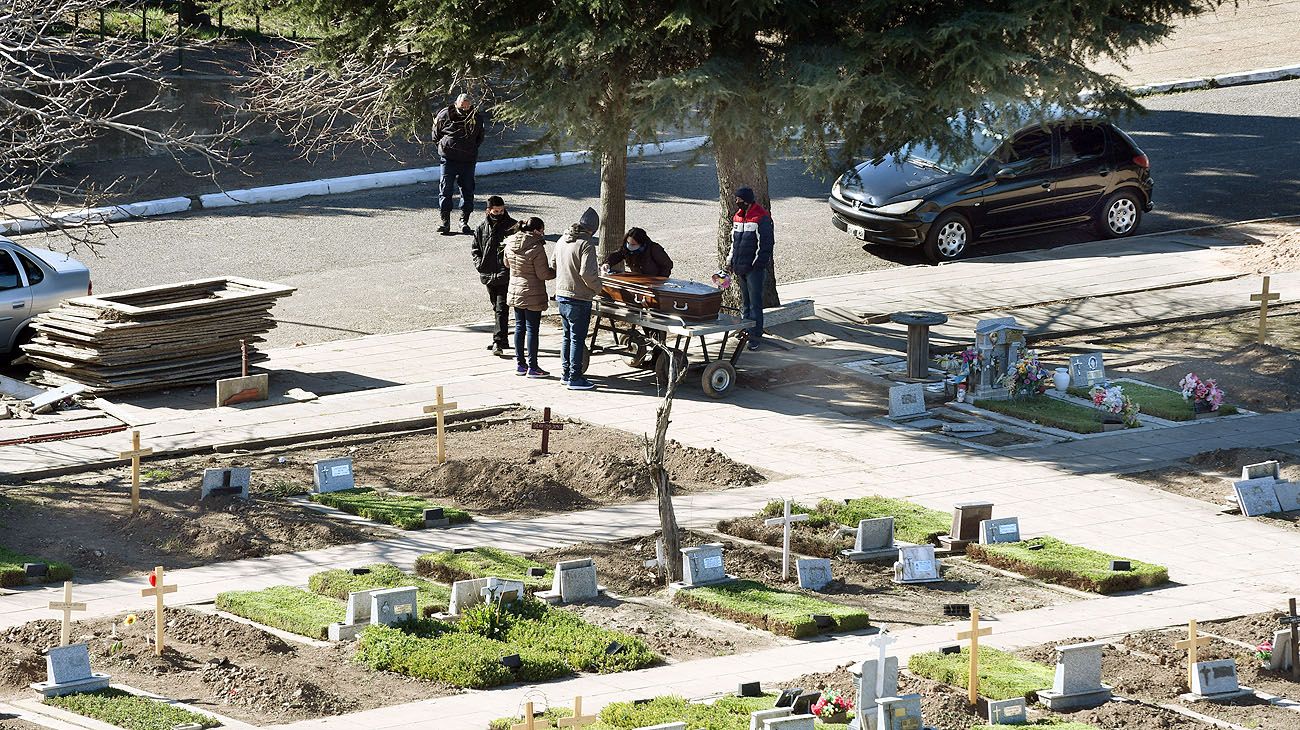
x=9, y=278
x=1082, y=143
x=35, y=274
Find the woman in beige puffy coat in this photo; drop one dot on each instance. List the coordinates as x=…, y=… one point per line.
x=529, y=272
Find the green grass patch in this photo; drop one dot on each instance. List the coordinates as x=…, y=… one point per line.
x=129, y=711
x=1069, y=565
x=782, y=612
x=550, y=643
x=449, y=567
x=158, y=475
x=727, y=713
x=406, y=512
x=1003, y=676
x=912, y=523
x=1048, y=411
x=1158, y=402
x=12, y=573
x=285, y=607
x=430, y=597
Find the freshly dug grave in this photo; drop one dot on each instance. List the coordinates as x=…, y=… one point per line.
x=1145, y=666
x=1253, y=630
x=99, y=537
x=620, y=566
x=216, y=664
x=1208, y=476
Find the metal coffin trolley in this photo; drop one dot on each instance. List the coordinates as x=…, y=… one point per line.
x=632, y=329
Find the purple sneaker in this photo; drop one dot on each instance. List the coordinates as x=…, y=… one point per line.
x=538, y=373
x=521, y=370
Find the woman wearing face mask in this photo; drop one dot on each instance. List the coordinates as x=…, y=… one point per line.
x=640, y=255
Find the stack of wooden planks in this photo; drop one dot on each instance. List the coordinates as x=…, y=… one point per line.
x=155, y=337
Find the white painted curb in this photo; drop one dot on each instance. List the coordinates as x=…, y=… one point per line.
x=329, y=186
x=1257, y=76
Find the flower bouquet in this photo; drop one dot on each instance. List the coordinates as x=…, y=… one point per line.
x=832, y=707
x=1205, y=395
x=1115, y=404
x=1026, y=377
x=1264, y=652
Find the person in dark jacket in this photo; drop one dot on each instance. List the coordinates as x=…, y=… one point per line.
x=640, y=255
x=458, y=131
x=489, y=260
x=751, y=256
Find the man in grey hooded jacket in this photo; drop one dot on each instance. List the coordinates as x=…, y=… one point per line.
x=577, y=282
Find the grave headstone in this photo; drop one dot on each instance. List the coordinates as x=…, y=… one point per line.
x=999, y=342
x=874, y=540
x=1007, y=712
x=231, y=482
x=758, y=719
x=803, y=703
x=1257, y=496
x=67, y=671
x=1217, y=680
x=1262, y=470
x=1087, y=370
x=899, y=713
x=868, y=678
x=907, y=401
x=504, y=590
x=1003, y=529
x=793, y=722
x=1077, y=684
x=814, y=573
x=393, y=606
x=355, y=620
x=573, y=580
x=702, y=565
x=436, y=517
x=334, y=475
x=1280, y=660
x=966, y=519
x=466, y=594
x=916, y=564
x=1288, y=495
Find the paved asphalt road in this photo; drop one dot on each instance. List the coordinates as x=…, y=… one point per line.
x=371, y=262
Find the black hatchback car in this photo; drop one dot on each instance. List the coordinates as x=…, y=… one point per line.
x=1061, y=173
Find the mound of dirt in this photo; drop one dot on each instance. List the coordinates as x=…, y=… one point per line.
x=1261, y=377
x=1208, y=476
x=1280, y=254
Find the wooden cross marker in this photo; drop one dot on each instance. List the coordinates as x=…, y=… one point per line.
x=530, y=722
x=578, y=720
x=546, y=426
x=1191, y=644
x=158, y=589
x=1264, y=297
x=134, y=455
x=1293, y=621
x=441, y=409
x=67, y=607
x=973, y=686
x=883, y=640
x=786, y=523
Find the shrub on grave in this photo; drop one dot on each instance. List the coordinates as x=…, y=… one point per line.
x=12, y=573
x=285, y=607
x=781, y=612
x=912, y=523
x=130, y=712
x=463, y=660
x=724, y=714
x=431, y=597
x=1069, y=565
x=481, y=562
x=1003, y=675
x=402, y=511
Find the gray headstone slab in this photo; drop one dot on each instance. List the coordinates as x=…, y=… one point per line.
x=866, y=681
x=814, y=573
x=966, y=519
x=907, y=401
x=576, y=583
x=1216, y=677
x=758, y=719
x=875, y=534
x=702, y=565
x=1257, y=496
x=1281, y=657
x=1288, y=495
x=393, y=606
x=1262, y=470
x=665, y=726
x=65, y=664
x=226, y=482
x=358, y=611
x=917, y=564
x=334, y=475
x=1078, y=668
x=793, y=722
x=1002, y=529
x=1007, y=712
x=1087, y=370
x=899, y=713
x=499, y=589
x=466, y=594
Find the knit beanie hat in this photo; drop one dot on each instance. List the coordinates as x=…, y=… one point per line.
x=746, y=194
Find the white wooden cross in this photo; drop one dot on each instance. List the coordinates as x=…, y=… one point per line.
x=973, y=686
x=441, y=409
x=1264, y=297
x=578, y=720
x=530, y=722
x=1191, y=644
x=659, y=564
x=158, y=590
x=786, y=522
x=134, y=455
x=884, y=640
x=67, y=607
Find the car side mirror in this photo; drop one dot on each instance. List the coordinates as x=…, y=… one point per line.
x=1005, y=173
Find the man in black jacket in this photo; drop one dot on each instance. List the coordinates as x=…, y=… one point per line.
x=458, y=131
x=488, y=250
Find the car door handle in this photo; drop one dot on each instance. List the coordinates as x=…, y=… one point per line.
x=1046, y=186
x=19, y=305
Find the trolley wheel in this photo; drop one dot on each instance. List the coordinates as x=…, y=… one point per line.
x=661, y=366
x=638, y=353
x=718, y=379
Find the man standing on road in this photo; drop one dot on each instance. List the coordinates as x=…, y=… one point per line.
x=458, y=131
x=577, y=281
x=488, y=251
x=751, y=256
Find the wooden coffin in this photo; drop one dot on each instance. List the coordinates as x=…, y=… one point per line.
x=690, y=300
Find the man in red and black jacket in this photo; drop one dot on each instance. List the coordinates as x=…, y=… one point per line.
x=751, y=256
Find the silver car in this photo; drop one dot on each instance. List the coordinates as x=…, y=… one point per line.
x=32, y=281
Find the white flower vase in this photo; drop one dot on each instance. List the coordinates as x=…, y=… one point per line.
x=1061, y=378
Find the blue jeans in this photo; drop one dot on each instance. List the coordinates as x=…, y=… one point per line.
x=456, y=174
x=530, y=322
x=576, y=316
x=751, y=293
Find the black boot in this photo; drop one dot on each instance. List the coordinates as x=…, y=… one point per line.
x=445, y=228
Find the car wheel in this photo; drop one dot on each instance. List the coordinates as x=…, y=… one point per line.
x=1119, y=215
x=948, y=238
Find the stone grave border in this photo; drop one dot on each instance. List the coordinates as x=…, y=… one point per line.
x=1049, y=430
x=43, y=711
x=947, y=410
x=334, y=513
x=210, y=608
x=1147, y=419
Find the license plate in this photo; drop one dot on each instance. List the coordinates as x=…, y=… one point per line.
x=858, y=232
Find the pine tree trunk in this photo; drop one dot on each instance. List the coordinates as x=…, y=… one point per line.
x=741, y=163
x=659, y=476
x=613, y=198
